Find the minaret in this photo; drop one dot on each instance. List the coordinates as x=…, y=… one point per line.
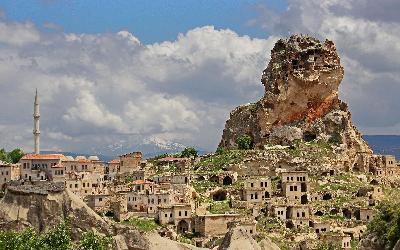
x=36, y=131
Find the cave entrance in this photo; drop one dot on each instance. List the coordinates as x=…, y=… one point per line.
x=309, y=136
x=327, y=196
x=227, y=180
x=219, y=195
x=346, y=213
x=214, y=178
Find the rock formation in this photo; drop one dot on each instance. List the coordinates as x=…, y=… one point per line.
x=237, y=238
x=300, y=102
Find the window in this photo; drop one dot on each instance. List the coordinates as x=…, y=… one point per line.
x=298, y=214
x=251, y=184
x=186, y=213
x=291, y=188
x=170, y=215
x=295, y=188
x=166, y=215
x=262, y=184
x=303, y=214
x=76, y=185
x=180, y=213
x=251, y=196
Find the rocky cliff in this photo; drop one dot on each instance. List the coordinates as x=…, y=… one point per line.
x=301, y=100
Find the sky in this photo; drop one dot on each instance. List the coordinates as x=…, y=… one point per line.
x=113, y=73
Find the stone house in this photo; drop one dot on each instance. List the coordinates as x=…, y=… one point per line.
x=98, y=202
x=179, y=215
x=139, y=175
x=142, y=185
x=299, y=215
x=320, y=226
x=365, y=214
x=249, y=226
x=294, y=186
x=9, y=172
x=261, y=184
x=213, y=224
x=279, y=211
x=113, y=167
x=130, y=162
x=57, y=173
x=36, y=167
x=149, y=202
x=340, y=241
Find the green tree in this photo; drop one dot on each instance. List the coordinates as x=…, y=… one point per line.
x=4, y=155
x=92, y=241
x=220, y=150
x=189, y=152
x=244, y=142
x=15, y=155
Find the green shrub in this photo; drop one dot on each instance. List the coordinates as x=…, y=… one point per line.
x=386, y=223
x=92, y=241
x=244, y=142
x=57, y=238
x=189, y=152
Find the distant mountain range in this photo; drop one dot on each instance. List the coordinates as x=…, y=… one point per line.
x=381, y=144
x=149, y=147
x=384, y=144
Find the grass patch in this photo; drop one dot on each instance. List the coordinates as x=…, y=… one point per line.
x=217, y=162
x=142, y=224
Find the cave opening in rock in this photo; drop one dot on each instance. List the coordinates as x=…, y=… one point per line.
x=227, y=180
x=219, y=195
x=309, y=136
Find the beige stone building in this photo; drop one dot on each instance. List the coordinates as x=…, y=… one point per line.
x=295, y=186
x=214, y=224
x=130, y=162
x=9, y=172
x=256, y=190
x=179, y=215
x=37, y=167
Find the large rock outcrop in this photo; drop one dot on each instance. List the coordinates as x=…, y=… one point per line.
x=300, y=102
x=237, y=238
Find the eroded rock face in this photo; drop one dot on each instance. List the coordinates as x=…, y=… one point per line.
x=238, y=238
x=300, y=102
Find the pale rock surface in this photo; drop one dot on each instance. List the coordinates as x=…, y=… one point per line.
x=238, y=239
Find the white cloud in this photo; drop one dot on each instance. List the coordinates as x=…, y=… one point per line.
x=107, y=88
x=18, y=34
x=88, y=110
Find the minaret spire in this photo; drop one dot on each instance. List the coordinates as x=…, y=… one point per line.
x=36, y=130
